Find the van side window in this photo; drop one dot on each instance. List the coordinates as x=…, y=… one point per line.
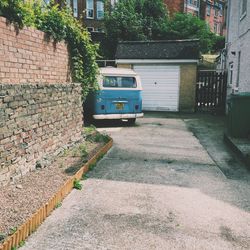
x=119, y=82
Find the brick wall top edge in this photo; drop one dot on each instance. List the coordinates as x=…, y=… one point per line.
x=41, y=85
x=27, y=29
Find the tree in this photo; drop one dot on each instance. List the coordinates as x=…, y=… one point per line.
x=133, y=20
x=186, y=26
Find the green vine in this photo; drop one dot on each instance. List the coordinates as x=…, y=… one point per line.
x=60, y=25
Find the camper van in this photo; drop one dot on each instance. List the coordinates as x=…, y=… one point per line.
x=118, y=97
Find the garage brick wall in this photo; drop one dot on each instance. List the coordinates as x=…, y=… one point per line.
x=187, y=87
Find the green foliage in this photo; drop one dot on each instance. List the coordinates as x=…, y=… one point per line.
x=77, y=185
x=133, y=20
x=59, y=204
x=219, y=43
x=21, y=244
x=92, y=166
x=89, y=130
x=98, y=137
x=12, y=230
x=186, y=26
x=2, y=236
x=60, y=25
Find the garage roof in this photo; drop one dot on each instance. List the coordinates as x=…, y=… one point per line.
x=174, y=49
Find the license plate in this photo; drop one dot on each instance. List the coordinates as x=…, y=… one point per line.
x=119, y=106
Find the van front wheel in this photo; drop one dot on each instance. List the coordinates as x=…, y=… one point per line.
x=131, y=121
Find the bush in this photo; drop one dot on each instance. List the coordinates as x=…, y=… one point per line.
x=59, y=23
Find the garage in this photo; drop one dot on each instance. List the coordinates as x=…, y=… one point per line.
x=168, y=71
x=160, y=87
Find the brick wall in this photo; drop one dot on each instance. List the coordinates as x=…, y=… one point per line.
x=27, y=57
x=36, y=120
x=174, y=6
x=40, y=110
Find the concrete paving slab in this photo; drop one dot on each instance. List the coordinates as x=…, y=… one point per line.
x=158, y=188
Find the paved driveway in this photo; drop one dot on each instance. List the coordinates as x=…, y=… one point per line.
x=156, y=189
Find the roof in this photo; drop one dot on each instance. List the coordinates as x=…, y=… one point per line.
x=116, y=71
x=174, y=49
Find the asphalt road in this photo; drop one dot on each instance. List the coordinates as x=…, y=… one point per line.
x=157, y=188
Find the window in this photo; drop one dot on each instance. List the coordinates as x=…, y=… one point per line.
x=221, y=9
x=231, y=70
x=113, y=2
x=216, y=12
x=119, y=82
x=208, y=10
x=215, y=28
x=100, y=30
x=68, y=2
x=90, y=9
x=100, y=9
x=243, y=8
x=194, y=2
x=90, y=29
x=75, y=8
x=238, y=73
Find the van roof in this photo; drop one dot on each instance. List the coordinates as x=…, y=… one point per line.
x=116, y=71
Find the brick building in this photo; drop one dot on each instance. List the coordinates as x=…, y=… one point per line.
x=183, y=6
x=214, y=13
x=90, y=12
x=174, y=6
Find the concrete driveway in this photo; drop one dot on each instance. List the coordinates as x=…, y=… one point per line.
x=158, y=188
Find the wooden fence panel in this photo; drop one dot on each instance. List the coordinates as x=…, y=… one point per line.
x=211, y=91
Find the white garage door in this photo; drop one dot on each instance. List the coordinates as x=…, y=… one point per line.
x=160, y=86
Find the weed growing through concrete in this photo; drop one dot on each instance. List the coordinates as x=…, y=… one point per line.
x=89, y=130
x=92, y=166
x=77, y=185
x=59, y=204
x=2, y=236
x=12, y=230
x=21, y=244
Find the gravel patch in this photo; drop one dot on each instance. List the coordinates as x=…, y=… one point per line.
x=19, y=200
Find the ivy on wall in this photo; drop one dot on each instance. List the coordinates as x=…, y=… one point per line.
x=60, y=25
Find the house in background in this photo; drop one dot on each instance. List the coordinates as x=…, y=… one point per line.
x=214, y=13
x=183, y=6
x=90, y=12
x=192, y=7
x=238, y=46
x=173, y=7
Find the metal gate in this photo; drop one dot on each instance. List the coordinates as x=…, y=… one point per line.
x=211, y=91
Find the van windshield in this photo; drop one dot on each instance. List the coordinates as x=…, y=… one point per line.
x=119, y=82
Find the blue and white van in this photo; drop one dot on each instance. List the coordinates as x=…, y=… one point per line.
x=118, y=97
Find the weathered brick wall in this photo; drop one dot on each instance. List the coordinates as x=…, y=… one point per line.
x=40, y=110
x=27, y=57
x=35, y=121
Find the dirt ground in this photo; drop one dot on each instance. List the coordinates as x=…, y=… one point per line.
x=19, y=200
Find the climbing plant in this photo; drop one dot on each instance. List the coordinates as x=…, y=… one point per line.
x=60, y=25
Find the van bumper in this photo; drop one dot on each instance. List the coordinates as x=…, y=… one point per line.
x=118, y=116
